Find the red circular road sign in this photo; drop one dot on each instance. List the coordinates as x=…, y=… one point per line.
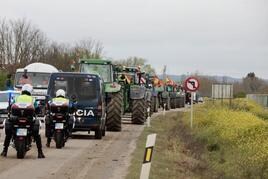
x=191, y=84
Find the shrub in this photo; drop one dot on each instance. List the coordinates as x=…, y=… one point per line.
x=3, y=76
x=236, y=138
x=240, y=94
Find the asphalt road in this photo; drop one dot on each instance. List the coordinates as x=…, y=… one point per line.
x=82, y=157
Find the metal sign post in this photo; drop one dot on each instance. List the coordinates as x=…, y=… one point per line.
x=192, y=109
x=192, y=84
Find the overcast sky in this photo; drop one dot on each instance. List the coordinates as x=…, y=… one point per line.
x=213, y=37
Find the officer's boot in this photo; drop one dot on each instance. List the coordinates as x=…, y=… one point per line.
x=48, y=142
x=39, y=147
x=40, y=154
x=8, y=131
x=4, y=152
x=6, y=145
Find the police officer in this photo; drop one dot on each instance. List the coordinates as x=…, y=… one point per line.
x=25, y=97
x=8, y=82
x=60, y=97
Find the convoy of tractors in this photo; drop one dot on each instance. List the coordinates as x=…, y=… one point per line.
x=103, y=94
x=115, y=90
x=130, y=90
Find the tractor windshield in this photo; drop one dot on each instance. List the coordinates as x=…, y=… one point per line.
x=133, y=77
x=103, y=70
x=37, y=80
x=130, y=76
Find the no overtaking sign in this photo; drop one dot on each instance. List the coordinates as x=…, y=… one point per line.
x=192, y=84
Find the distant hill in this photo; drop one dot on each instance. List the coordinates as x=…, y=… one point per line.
x=226, y=79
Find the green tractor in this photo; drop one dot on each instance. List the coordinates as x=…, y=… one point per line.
x=176, y=96
x=137, y=97
x=113, y=92
x=173, y=96
x=157, y=89
x=165, y=100
x=160, y=95
x=164, y=96
x=180, y=100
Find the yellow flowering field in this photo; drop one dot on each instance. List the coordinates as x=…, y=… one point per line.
x=242, y=104
x=236, y=138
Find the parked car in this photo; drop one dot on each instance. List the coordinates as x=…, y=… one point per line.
x=5, y=97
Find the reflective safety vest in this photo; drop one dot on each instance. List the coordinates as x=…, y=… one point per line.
x=60, y=100
x=24, y=99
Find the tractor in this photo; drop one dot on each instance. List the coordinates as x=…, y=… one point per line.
x=172, y=95
x=137, y=95
x=113, y=92
x=180, y=99
x=160, y=96
x=157, y=89
x=164, y=96
x=175, y=94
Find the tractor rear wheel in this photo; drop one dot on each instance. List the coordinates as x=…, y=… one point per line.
x=155, y=104
x=173, y=103
x=178, y=102
x=138, y=111
x=166, y=103
x=114, y=111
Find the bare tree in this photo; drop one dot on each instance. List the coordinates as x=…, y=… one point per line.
x=20, y=43
x=137, y=61
x=89, y=49
x=3, y=42
x=253, y=84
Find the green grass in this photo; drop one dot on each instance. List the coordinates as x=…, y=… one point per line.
x=226, y=142
x=168, y=159
x=235, y=139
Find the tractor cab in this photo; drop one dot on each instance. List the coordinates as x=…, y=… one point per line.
x=103, y=68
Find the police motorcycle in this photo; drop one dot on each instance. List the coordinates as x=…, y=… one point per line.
x=61, y=121
x=21, y=117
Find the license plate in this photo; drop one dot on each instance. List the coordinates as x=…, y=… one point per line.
x=3, y=116
x=59, y=126
x=21, y=132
